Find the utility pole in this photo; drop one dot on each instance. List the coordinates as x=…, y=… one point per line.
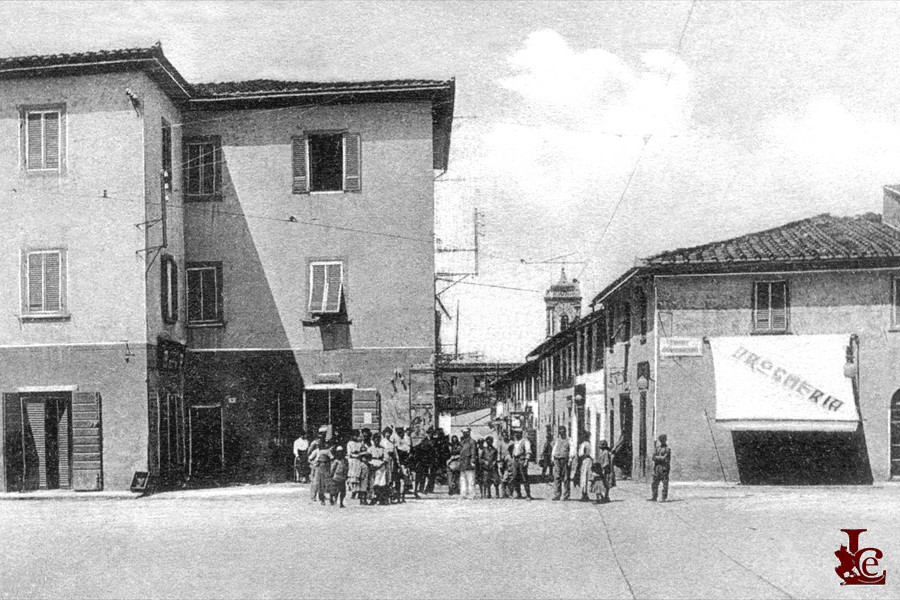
x=456, y=343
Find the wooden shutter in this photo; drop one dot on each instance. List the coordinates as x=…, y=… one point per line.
x=51, y=140
x=11, y=436
x=761, y=307
x=52, y=287
x=317, y=288
x=87, y=442
x=334, y=277
x=352, y=163
x=65, y=465
x=778, y=301
x=35, y=413
x=299, y=166
x=35, y=282
x=366, y=409
x=34, y=126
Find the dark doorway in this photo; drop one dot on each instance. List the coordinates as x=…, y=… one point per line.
x=207, y=443
x=625, y=452
x=801, y=458
x=330, y=407
x=895, y=435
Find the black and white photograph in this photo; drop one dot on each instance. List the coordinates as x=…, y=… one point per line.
x=449, y=299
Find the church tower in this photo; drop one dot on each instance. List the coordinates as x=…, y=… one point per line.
x=563, y=301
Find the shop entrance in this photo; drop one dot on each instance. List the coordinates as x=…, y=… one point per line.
x=46, y=453
x=331, y=406
x=801, y=458
x=207, y=440
x=895, y=435
x=625, y=453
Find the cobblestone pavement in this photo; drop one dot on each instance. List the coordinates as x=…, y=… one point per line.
x=272, y=542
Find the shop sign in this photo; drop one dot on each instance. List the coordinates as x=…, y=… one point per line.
x=681, y=346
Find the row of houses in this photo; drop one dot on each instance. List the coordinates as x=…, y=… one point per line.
x=767, y=358
x=194, y=272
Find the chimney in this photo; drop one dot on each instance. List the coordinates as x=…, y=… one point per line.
x=891, y=210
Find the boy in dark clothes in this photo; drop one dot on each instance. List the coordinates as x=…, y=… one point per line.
x=339, y=469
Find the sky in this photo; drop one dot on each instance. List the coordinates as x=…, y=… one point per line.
x=586, y=133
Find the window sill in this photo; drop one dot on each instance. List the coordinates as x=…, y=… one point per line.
x=43, y=173
x=206, y=325
x=46, y=317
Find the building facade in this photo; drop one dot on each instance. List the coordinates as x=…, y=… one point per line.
x=765, y=358
x=202, y=270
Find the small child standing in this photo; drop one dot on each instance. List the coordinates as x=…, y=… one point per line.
x=339, y=469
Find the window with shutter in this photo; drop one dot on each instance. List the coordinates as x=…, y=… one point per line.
x=169, y=289
x=43, y=139
x=204, y=294
x=43, y=282
x=326, y=162
x=203, y=170
x=326, y=287
x=770, y=306
x=895, y=302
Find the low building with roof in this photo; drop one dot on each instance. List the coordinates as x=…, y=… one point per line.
x=765, y=358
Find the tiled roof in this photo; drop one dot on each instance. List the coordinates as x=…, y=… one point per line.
x=77, y=58
x=255, y=87
x=820, y=238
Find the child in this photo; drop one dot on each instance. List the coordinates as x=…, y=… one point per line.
x=339, y=469
x=507, y=481
x=489, y=475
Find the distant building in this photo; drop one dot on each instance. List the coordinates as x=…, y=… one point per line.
x=199, y=270
x=563, y=301
x=767, y=358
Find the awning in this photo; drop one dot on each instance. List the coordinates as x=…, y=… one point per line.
x=785, y=383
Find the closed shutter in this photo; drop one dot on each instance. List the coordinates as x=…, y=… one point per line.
x=779, y=305
x=87, y=442
x=51, y=140
x=35, y=141
x=366, y=409
x=35, y=421
x=334, y=274
x=352, y=163
x=299, y=166
x=761, y=319
x=35, y=282
x=52, y=289
x=317, y=288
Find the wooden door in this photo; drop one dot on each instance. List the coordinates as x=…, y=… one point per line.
x=895, y=435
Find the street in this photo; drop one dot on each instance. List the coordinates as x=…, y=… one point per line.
x=272, y=542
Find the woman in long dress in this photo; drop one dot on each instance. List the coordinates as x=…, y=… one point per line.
x=357, y=453
x=585, y=462
x=378, y=471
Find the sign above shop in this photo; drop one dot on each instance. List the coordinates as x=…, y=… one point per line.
x=680, y=346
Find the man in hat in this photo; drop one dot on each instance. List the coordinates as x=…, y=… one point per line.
x=320, y=461
x=468, y=455
x=521, y=454
x=560, y=455
x=662, y=460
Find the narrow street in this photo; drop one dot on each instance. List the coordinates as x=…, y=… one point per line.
x=272, y=542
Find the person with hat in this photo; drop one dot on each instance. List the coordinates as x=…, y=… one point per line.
x=560, y=454
x=521, y=456
x=301, y=458
x=662, y=460
x=320, y=461
x=602, y=469
x=468, y=457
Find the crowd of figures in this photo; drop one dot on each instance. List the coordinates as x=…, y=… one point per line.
x=384, y=467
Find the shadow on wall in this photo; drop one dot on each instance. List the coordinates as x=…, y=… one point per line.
x=802, y=458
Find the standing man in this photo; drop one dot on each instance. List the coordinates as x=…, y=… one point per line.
x=561, y=465
x=662, y=460
x=521, y=454
x=425, y=463
x=468, y=455
x=301, y=458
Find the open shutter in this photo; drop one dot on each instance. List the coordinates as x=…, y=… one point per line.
x=316, y=288
x=761, y=320
x=11, y=437
x=87, y=442
x=299, y=166
x=352, y=163
x=366, y=409
x=35, y=141
x=334, y=275
x=51, y=140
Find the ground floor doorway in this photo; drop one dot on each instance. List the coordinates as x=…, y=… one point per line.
x=43, y=459
x=624, y=451
x=801, y=458
x=332, y=407
x=207, y=440
x=895, y=435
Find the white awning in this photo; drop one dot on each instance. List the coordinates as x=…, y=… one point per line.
x=785, y=383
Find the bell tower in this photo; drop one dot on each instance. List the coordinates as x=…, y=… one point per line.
x=563, y=301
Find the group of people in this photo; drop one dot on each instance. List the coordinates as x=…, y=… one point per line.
x=383, y=467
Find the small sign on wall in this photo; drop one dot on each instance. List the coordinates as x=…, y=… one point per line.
x=367, y=418
x=680, y=346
